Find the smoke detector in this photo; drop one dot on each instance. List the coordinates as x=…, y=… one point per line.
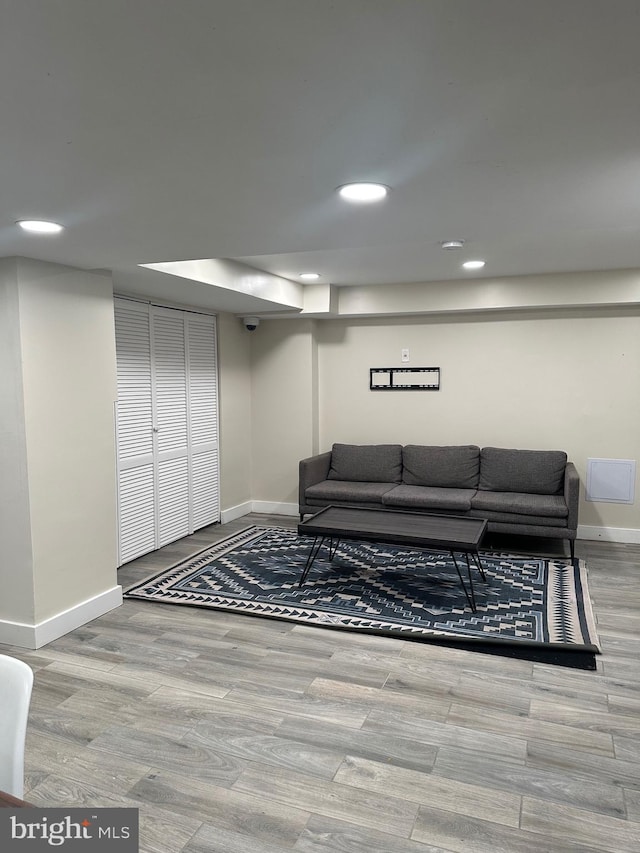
x=452, y=244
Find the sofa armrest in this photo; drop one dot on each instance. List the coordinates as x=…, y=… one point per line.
x=572, y=494
x=313, y=470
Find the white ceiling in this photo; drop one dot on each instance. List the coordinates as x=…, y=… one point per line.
x=159, y=131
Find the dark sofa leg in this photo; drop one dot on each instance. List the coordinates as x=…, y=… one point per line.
x=572, y=549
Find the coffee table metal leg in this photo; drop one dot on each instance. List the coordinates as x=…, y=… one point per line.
x=470, y=598
x=313, y=553
x=477, y=561
x=473, y=597
x=333, y=547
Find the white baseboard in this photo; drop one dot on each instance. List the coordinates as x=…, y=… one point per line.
x=234, y=512
x=275, y=508
x=35, y=636
x=266, y=507
x=630, y=535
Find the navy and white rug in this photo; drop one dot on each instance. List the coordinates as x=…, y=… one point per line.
x=530, y=607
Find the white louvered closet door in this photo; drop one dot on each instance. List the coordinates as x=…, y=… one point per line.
x=203, y=427
x=169, y=372
x=166, y=425
x=134, y=433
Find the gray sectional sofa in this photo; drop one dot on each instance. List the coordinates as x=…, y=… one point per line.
x=531, y=492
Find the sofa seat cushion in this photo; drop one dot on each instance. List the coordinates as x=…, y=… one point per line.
x=539, y=472
x=366, y=463
x=429, y=497
x=345, y=491
x=514, y=503
x=455, y=466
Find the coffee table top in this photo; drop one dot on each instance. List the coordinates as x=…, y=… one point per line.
x=396, y=527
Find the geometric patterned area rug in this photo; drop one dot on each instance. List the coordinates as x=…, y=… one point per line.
x=530, y=607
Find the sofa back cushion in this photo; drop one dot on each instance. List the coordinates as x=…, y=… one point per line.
x=455, y=467
x=534, y=472
x=366, y=463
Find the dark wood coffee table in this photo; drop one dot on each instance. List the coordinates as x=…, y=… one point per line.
x=452, y=533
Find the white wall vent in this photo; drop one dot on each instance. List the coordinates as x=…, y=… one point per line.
x=611, y=480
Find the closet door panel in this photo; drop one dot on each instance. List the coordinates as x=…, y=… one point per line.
x=205, y=489
x=137, y=512
x=173, y=500
x=203, y=382
x=169, y=382
x=169, y=366
x=134, y=407
x=134, y=433
x=203, y=420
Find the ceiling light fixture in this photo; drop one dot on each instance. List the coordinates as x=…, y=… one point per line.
x=452, y=244
x=473, y=265
x=363, y=192
x=39, y=226
x=310, y=276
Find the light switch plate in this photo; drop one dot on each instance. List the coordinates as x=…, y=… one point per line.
x=405, y=355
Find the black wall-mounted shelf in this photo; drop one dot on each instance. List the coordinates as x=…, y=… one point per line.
x=404, y=378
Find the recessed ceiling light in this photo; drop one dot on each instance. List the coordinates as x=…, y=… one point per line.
x=363, y=192
x=452, y=244
x=309, y=276
x=39, y=226
x=473, y=265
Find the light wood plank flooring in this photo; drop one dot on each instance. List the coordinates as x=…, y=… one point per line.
x=234, y=734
